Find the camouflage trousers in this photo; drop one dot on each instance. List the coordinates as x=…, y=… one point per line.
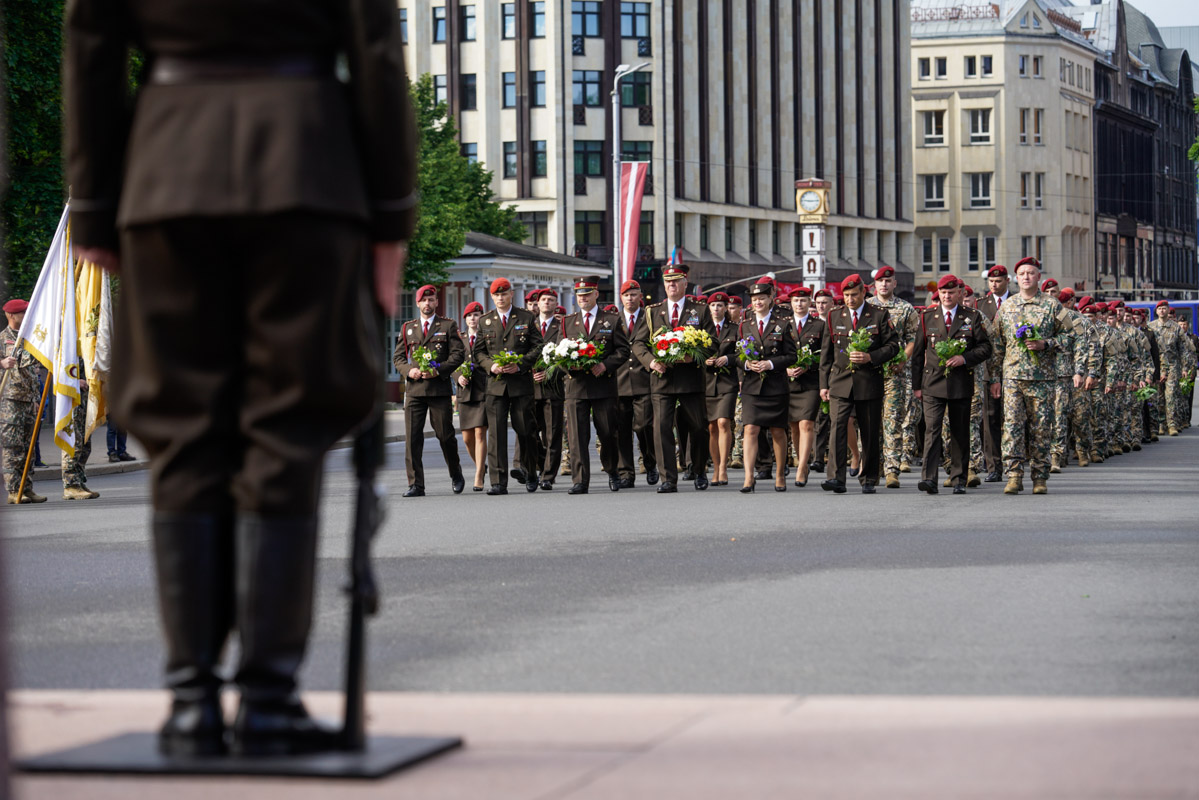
x=1028, y=426
x=738, y=432
x=74, y=467
x=897, y=405
x=1062, y=402
x=16, y=431
x=1174, y=401
x=1106, y=407
x=1130, y=428
x=1082, y=419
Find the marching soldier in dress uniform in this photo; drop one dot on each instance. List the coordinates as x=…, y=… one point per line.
x=852, y=383
x=508, y=330
x=237, y=421
x=998, y=281
x=807, y=330
x=591, y=393
x=822, y=301
x=946, y=389
x=676, y=391
x=736, y=309
x=429, y=392
x=765, y=390
x=721, y=388
x=472, y=393
x=1030, y=328
x=898, y=399
x=18, y=407
x=547, y=404
x=634, y=413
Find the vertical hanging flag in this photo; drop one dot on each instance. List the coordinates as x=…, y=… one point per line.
x=93, y=301
x=632, y=188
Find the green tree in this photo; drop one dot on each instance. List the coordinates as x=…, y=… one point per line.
x=1193, y=154
x=455, y=194
x=35, y=194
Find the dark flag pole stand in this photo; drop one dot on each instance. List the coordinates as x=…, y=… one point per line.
x=359, y=756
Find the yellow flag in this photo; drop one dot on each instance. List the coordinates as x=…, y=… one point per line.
x=93, y=307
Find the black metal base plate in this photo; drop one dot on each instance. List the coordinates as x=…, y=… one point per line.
x=137, y=754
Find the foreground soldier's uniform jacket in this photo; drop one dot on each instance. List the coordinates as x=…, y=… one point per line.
x=1048, y=316
x=447, y=348
x=928, y=375
x=22, y=379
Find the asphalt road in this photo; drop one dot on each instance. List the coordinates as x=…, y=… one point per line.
x=1091, y=590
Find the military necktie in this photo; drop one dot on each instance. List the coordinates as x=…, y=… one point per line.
x=587, y=323
x=948, y=319
x=855, y=320
x=632, y=320
x=426, y=329
x=762, y=329
x=674, y=318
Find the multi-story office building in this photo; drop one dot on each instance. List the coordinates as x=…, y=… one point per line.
x=740, y=99
x=1002, y=105
x=1144, y=123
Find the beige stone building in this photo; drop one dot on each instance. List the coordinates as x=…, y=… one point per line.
x=1002, y=116
x=740, y=99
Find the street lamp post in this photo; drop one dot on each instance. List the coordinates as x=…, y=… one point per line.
x=621, y=71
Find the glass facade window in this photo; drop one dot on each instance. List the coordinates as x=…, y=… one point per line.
x=934, y=192
x=980, y=126
x=988, y=64
x=509, y=20
x=589, y=158
x=509, y=89
x=589, y=228
x=470, y=151
x=404, y=26
x=469, y=92
x=635, y=89
x=586, y=88
x=510, y=159
x=980, y=189
x=537, y=227
x=934, y=127
x=924, y=68
x=540, y=159
x=634, y=20
x=537, y=17
x=971, y=66
x=585, y=18
x=440, y=89
x=438, y=24
x=537, y=88
x=468, y=23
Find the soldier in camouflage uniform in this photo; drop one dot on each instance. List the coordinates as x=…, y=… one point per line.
x=1072, y=367
x=898, y=397
x=1190, y=354
x=1029, y=375
x=1140, y=373
x=1087, y=363
x=1115, y=348
x=1093, y=401
x=1170, y=344
x=74, y=467
x=18, y=407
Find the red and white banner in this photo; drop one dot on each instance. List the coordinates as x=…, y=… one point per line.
x=632, y=188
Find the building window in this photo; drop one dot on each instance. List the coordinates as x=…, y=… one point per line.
x=634, y=20
x=403, y=26
x=980, y=189
x=1036, y=21
x=1039, y=190
x=934, y=128
x=586, y=88
x=1036, y=67
x=972, y=254
x=470, y=151
x=926, y=258
x=537, y=227
x=589, y=228
x=589, y=158
x=540, y=159
x=468, y=23
x=774, y=238
x=509, y=159
x=645, y=231
x=637, y=151
x=509, y=15
x=469, y=92
x=1039, y=255
x=753, y=236
x=509, y=90
x=943, y=254
x=1024, y=20
x=942, y=68
x=1024, y=126
x=1025, y=177
x=980, y=126
x=989, y=243
x=703, y=233
x=635, y=89
x=988, y=66
x=728, y=235
x=1069, y=130
x=924, y=66
x=537, y=87
x=1025, y=246
x=971, y=66
x=934, y=192
x=440, y=91
x=1038, y=118
x=585, y=18
x=537, y=14
x=1023, y=61
x=438, y=24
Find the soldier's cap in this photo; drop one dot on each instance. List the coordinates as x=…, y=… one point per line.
x=718, y=297
x=472, y=308
x=1027, y=260
x=1089, y=308
x=531, y=295
x=736, y=300
x=560, y=311
x=15, y=306
x=500, y=285
x=676, y=272
x=586, y=284
x=703, y=298
x=610, y=308
x=948, y=282
x=425, y=290
x=800, y=291
x=1112, y=305
x=1085, y=300
x=759, y=289
x=1047, y=284
x=854, y=281
x=765, y=280
x=1161, y=303
x=997, y=271
x=884, y=272
x=628, y=285
x=1065, y=295
x=690, y=297
x=969, y=291
x=548, y=291
x=935, y=297
x=823, y=293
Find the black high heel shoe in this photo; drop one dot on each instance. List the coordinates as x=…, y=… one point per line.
x=782, y=488
x=749, y=489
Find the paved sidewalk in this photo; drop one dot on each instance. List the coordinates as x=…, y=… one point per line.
x=585, y=747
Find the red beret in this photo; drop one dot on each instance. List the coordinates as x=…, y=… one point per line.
x=627, y=285
x=15, y=306
x=1027, y=260
x=800, y=291
x=969, y=291
x=935, y=296
x=823, y=293
x=735, y=300
x=997, y=271
x=472, y=307
x=884, y=272
x=1089, y=308
x=1047, y=284
x=718, y=297
x=1114, y=304
x=500, y=285
x=766, y=279
x=548, y=291
x=675, y=272
x=424, y=290
x=610, y=307
x=1085, y=300
x=851, y=282
x=1065, y=294
x=703, y=298
x=948, y=282
x=1161, y=303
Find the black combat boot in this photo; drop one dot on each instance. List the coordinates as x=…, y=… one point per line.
x=193, y=557
x=276, y=570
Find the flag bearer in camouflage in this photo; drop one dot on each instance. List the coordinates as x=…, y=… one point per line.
x=18, y=406
x=898, y=397
x=1170, y=342
x=1030, y=329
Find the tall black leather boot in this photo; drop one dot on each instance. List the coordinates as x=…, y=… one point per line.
x=276, y=570
x=193, y=557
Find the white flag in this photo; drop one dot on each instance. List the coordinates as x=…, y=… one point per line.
x=50, y=334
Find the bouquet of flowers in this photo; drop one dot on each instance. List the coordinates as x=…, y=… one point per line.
x=504, y=359
x=672, y=346
x=424, y=360
x=747, y=351
x=1187, y=384
x=569, y=354
x=898, y=361
x=465, y=371
x=805, y=358
x=859, y=342
x=1145, y=392
x=947, y=350
x=823, y=406
x=1026, y=333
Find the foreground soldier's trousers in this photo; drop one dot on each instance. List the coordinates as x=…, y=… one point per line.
x=897, y=404
x=1028, y=403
